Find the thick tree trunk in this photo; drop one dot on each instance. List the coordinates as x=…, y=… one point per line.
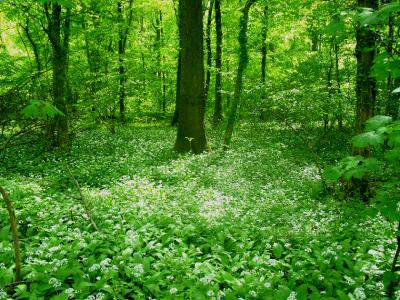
x=58, y=127
x=191, y=133
x=218, y=65
x=208, y=46
x=243, y=60
x=365, y=85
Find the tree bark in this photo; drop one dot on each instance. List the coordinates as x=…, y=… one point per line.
x=264, y=44
x=58, y=127
x=365, y=85
x=124, y=27
x=243, y=60
x=175, y=118
x=218, y=65
x=392, y=101
x=191, y=133
x=208, y=46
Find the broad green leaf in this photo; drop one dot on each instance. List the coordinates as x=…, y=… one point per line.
x=357, y=173
x=332, y=173
x=38, y=109
x=393, y=155
x=388, y=278
x=66, y=3
x=396, y=91
x=368, y=139
x=376, y=122
x=351, y=162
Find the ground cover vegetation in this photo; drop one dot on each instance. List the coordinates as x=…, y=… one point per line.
x=199, y=149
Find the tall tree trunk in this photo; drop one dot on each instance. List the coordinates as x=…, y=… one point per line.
x=365, y=85
x=243, y=60
x=175, y=118
x=124, y=27
x=208, y=46
x=392, y=101
x=264, y=44
x=336, y=49
x=191, y=132
x=58, y=128
x=218, y=65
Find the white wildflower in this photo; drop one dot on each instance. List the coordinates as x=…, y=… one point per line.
x=173, y=291
x=359, y=293
x=70, y=292
x=253, y=293
x=55, y=282
x=292, y=296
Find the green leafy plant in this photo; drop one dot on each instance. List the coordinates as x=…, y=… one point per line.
x=380, y=169
x=39, y=109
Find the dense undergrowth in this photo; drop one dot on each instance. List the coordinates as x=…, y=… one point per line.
x=249, y=223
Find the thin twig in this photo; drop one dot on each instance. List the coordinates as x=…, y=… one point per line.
x=84, y=202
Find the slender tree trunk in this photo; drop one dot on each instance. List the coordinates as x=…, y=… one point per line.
x=121, y=69
x=14, y=232
x=175, y=118
x=218, y=65
x=124, y=26
x=365, y=85
x=329, y=85
x=34, y=45
x=208, y=46
x=191, y=132
x=264, y=45
x=336, y=49
x=243, y=60
x=392, y=101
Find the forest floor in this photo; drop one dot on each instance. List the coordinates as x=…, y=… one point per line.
x=248, y=223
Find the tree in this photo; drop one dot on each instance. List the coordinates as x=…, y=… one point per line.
x=191, y=132
x=58, y=35
x=123, y=31
x=243, y=60
x=208, y=46
x=365, y=84
x=218, y=65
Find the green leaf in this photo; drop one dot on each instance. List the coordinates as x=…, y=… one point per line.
x=277, y=250
x=357, y=173
x=38, y=109
x=332, y=173
x=66, y=3
x=392, y=155
x=396, y=91
x=388, y=278
x=368, y=139
x=376, y=122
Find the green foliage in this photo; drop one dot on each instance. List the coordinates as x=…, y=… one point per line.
x=381, y=167
x=38, y=109
x=181, y=227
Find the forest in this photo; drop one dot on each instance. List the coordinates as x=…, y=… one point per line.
x=199, y=149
